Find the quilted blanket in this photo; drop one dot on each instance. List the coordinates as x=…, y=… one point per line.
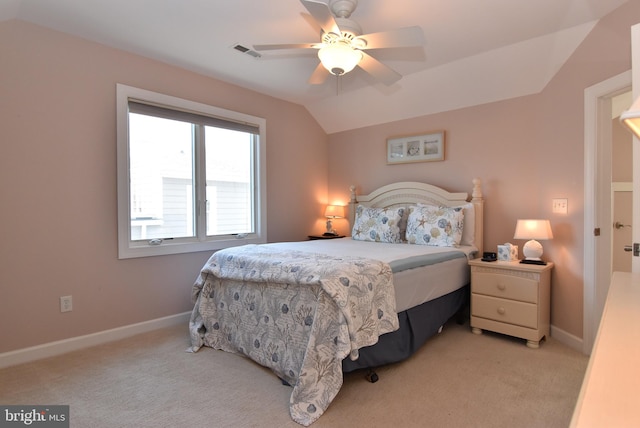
x=298, y=313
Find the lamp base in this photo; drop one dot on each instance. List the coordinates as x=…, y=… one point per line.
x=533, y=262
x=330, y=231
x=532, y=250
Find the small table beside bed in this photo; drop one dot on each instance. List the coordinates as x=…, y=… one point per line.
x=312, y=310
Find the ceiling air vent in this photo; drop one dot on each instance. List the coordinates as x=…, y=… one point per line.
x=246, y=50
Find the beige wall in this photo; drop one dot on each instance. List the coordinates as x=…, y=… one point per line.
x=58, y=185
x=58, y=175
x=527, y=151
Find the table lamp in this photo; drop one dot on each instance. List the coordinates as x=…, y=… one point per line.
x=533, y=230
x=331, y=212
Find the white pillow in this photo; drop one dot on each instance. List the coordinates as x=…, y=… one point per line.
x=469, y=228
x=435, y=226
x=469, y=225
x=377, y=224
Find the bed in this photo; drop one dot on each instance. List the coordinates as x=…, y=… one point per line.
x=312, y=310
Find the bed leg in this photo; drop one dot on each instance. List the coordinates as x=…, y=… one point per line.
x=372, y=376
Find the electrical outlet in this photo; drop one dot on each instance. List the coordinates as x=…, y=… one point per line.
x=66, y=304
x=560, y=206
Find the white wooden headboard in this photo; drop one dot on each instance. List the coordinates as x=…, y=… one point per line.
x=409, y=192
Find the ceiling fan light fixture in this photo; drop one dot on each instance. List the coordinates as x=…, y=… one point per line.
x=339, y=58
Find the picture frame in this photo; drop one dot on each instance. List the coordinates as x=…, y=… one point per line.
x=416, y=148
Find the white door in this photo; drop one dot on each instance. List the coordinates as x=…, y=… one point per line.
x=622, y=200
x=598, y=220
x=599, y=195
x=621, y=186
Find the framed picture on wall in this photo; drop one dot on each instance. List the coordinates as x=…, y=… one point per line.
x=418, y=148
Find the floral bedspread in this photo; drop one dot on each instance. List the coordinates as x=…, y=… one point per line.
x=298, y=313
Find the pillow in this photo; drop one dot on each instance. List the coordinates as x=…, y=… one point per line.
x=402, y=225
x=469, y=223
x=435, y=226
x=469, y=227
x=377, y=224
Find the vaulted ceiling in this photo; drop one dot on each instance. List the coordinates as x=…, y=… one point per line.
x=475, y=51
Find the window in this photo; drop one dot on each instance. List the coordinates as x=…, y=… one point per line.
x=191, y=177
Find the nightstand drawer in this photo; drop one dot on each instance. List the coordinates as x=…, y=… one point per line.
x=507, y=311
x=505, y=286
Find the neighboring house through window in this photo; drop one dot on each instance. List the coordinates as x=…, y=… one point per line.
x=191, y=177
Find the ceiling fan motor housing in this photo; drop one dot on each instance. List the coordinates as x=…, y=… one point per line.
x=349, y=27
x=342, y=8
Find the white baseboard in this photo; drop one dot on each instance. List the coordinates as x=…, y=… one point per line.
x=59, y=347
x=567, y=338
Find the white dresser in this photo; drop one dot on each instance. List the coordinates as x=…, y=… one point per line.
x=610, y=394
x=511, y=298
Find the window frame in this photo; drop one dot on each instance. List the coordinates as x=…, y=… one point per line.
x=201, y=242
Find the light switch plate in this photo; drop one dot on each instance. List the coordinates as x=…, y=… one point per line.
x=560, y=206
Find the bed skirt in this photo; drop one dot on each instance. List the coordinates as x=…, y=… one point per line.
x=417, y=324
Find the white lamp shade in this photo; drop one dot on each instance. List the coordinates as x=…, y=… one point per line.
x=339, y=58
x=631, y=118
x=334, y=211
x=533, y=230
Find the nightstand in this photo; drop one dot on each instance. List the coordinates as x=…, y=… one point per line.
x=511, y=298
x=312, y=237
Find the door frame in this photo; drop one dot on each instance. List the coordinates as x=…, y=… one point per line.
x=594, y=267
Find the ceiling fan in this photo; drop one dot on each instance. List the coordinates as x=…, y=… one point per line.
x=342, y=46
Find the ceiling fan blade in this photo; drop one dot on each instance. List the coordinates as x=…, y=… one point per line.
x=321, y=13
x=378, y=70
x=319, y=75
x=400, y=38
x=286, y=46
x=312, y=23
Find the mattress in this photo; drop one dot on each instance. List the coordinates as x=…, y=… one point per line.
x=420, y=272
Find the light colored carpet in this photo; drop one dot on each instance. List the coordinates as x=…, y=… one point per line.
x=457, y=379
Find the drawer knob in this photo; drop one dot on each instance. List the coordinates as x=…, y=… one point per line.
x=501, y=287
x=501, y=310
